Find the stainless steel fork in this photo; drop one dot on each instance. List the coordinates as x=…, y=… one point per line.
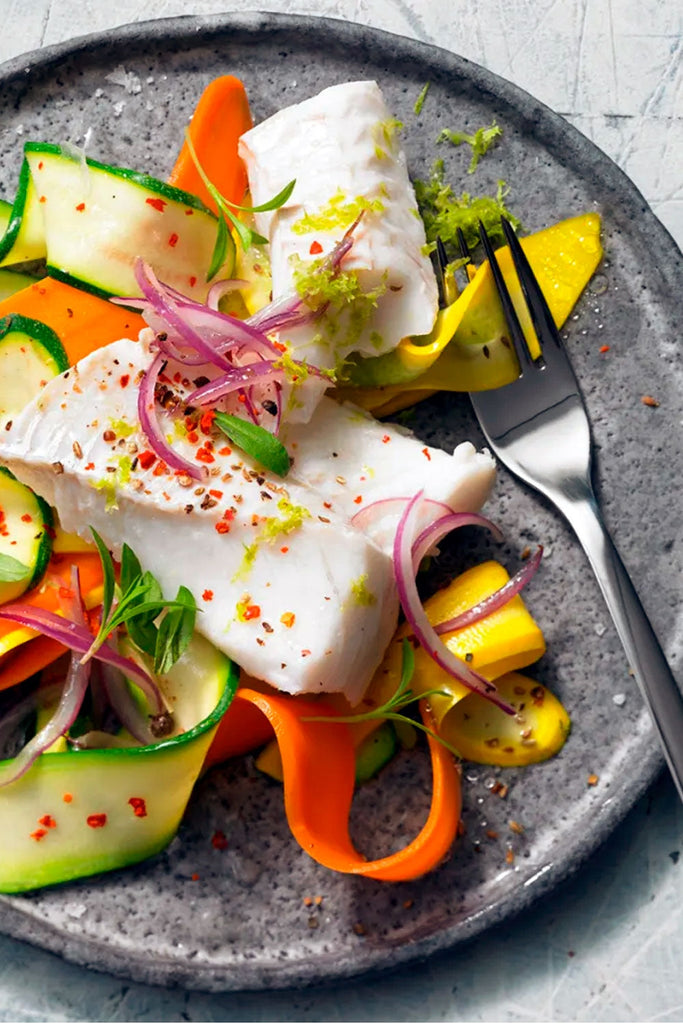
x=538, y=427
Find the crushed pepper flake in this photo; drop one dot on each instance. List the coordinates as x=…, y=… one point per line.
x=96, y=820
x=650, y=401
x=593, y=779
x=219, y=840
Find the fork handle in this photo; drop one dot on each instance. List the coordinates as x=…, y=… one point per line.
x=646, y=658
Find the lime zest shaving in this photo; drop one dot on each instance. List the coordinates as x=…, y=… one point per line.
x=480, y=141
x=339, y=212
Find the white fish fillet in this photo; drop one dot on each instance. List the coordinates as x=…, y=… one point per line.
x=324, y=592
x=354, y=460
x=341, y=143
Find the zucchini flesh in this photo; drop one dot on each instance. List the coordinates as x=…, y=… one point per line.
x=12, y=282
x=77, y=813
x=98, y=219
x=31, y=354
x=25, y=528
x=24, y=237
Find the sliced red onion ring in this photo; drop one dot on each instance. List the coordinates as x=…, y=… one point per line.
x=64, y=717
x=152, y=428
x=221, y=288
x=437, y=530
x=79, y=639
x=238, y=378
x=154, y=293
x=417, y=617
x=495, y=600
x=127, y=710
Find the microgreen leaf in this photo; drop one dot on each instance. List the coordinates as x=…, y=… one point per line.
x=272, y=204
x=224, y=245
x=141, y=601
x=175, y=631
x=108, y=575
x=247, y=235
x=130, y=567
x=12, y=570
x=256, y=441
x=392, y=708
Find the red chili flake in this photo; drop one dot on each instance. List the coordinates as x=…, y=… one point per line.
x=96, y=820
x=206, y=422
x=195, y=877
x=173, y=240
x=357, y=500
x=189, y=213
x=42, y=199
x=252, y=611
x=139, y=806
x=39, y=834
x=160, y=469
x=604, y=348
x=207, y=595
x=41, y=165
x=48, y=821
x=593, y=780
x=67, y=798
x=146, y=459
x=193, y=437
x=241, y=398
x=26, y=518
x=216, y=494
x=225, y=451
x=193, y=281
x=649, y=400
x=305, y=653
x=204, y=455
x=219, y=840
x=80, y=207
x=425, y=452
x=279, y=346
x=90, y=466
x=222, y=527
x=386, y=439
x=158, y=204
x=124, y=379
x=284, y=549
x=65, y=592
x=229, y=514
x=316, y=248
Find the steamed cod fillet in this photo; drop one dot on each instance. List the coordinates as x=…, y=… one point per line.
x=342, y=148
x=285, y=587
x=354, y=460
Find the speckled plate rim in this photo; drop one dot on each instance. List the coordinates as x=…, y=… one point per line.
x=554, y=133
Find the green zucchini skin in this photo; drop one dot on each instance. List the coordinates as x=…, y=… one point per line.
x=30, y=355
x=24, y=237
x=99, y=219
x=81, y=812
x=32, y=540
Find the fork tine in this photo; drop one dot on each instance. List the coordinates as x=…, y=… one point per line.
x=516, y=332
x=538, y=307
x=439, y=264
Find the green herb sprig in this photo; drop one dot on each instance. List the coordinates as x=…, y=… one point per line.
x=256, y=441
x=12, y=570
x=139, y=603
x=392, y=709
x=420, y=101
x=225, y=245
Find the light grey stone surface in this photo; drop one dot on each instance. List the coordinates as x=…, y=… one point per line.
x=604, y=947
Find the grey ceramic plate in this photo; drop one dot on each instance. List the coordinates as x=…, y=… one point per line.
x=243, y=923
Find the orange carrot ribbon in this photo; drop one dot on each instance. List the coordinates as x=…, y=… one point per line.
x=318, y=763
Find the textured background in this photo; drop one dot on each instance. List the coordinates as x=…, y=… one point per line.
x=607, y=945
